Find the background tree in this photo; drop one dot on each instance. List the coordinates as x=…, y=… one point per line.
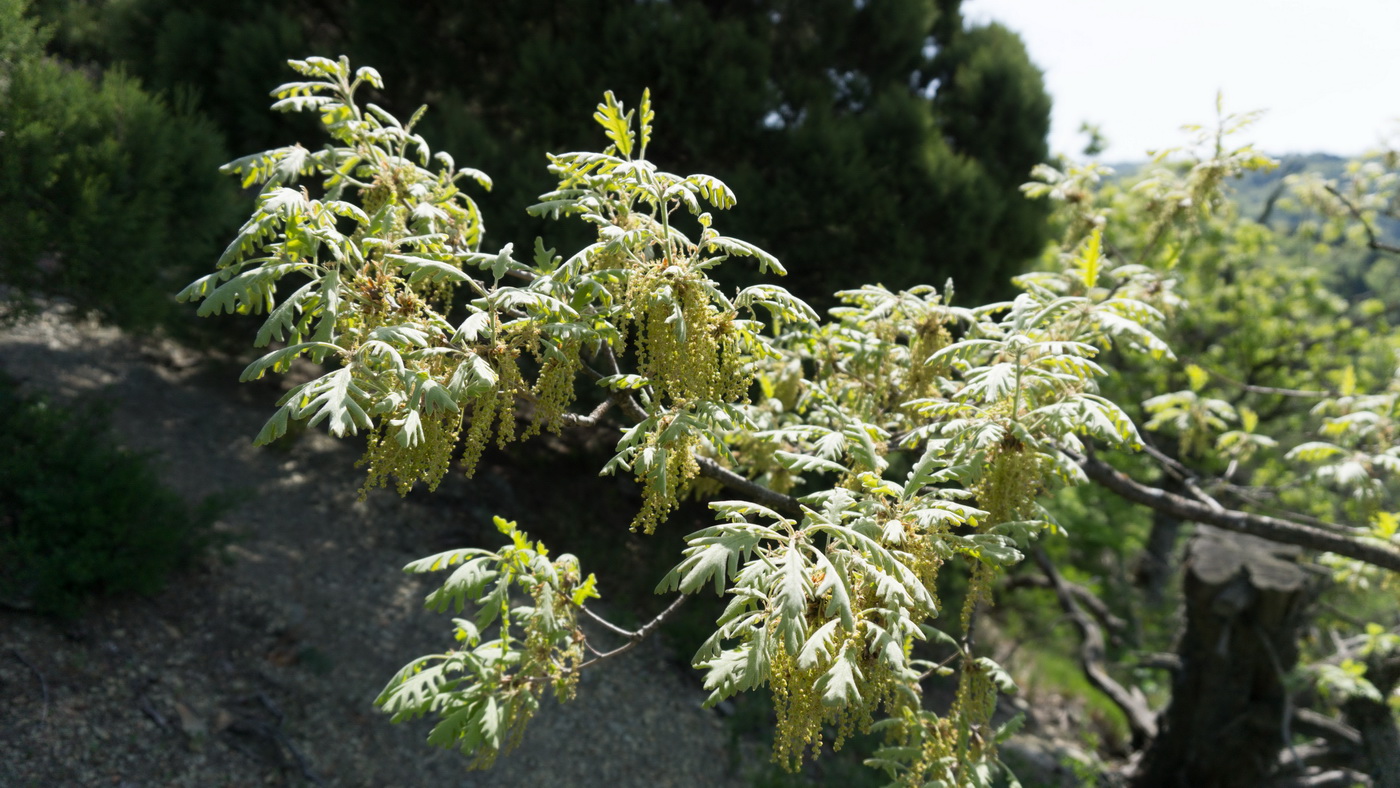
x=107, y=189
x=1267, y=349
x=920, y=127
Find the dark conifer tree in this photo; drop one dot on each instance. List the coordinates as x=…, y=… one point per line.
x=919, y=128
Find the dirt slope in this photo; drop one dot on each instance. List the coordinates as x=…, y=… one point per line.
x=262, y=669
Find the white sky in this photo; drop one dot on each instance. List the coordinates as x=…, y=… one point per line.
x=1326, y=71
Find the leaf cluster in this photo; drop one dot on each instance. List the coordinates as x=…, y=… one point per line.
x=485, y=691
x=864, y=454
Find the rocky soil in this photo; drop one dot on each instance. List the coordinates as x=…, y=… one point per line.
x=261, y=669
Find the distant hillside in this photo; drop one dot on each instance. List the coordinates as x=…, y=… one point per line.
x=1355, y=271
x=1255, y=190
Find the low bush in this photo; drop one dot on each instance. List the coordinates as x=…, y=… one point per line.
x=81, y=516
x=110, y=194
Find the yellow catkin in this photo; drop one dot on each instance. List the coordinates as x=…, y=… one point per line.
x=685, y=346
x=930, y=337
x=691, y=353
x=554, y=389
x=658, y=500
x=479, y=433
x=802, y=716
x=509, y=381
x=426, y=461
x=1010, y=485
x=799, y=710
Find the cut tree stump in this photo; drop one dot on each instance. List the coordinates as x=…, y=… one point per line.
x=1245, y=601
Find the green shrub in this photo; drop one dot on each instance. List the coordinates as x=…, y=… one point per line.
x=110, y=194
x=80, y=516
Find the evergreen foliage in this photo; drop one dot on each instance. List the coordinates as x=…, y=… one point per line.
x=773, y=97
x=106, y=189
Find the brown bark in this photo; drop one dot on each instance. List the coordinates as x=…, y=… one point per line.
x=1245, y=601
x=1380, y=738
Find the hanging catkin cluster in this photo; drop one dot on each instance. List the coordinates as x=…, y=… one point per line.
x=553, y=391
x=802, y=715
x=390, y=458
x=685, y=346
x=494, y=408
x=929, y=337
x=427, y=460
x=1010, y=484
x=690, y=353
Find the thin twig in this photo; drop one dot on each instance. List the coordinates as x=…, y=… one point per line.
x=637, y=637
x=1255, y=389
x=610, y=625
x=1182, y=473
x=1371, y=239
x=946, y=661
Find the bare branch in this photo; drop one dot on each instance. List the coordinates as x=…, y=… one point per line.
x=1160, y=661
x=786, y=504
x=1247, y=495
x=1082, y=595
x=592, y=419
x=1183, y=474
x=1253, y=389
x=1262, y=526
x=1313, y=723
x=1371, y=238
x=633, y=638
x=610, y=625
x=1141, y=721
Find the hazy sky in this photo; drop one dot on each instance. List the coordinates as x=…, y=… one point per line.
x=1326, y=71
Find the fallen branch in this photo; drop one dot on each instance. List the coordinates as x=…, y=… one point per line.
x=43, y=684
x=252, y=727
x=143, y=702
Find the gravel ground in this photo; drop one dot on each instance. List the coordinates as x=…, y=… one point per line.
x=261, y=669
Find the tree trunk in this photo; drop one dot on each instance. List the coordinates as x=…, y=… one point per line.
x=1245, y=599
x=1380, y=738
